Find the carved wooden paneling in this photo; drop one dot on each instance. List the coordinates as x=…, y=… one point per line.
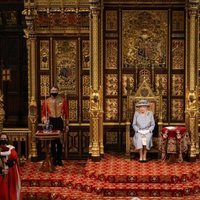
x=178, y=84
x=140, y=41
x=111, y=47
x=44, y=85
x=111, y=20
x=178, y=54
x=66, y=65
x=111, y=84
x=44, y=54
x=178, y=20
x=177, y=110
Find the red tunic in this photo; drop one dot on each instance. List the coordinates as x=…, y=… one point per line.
x=55, y=107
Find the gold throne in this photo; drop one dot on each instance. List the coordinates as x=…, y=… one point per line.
x=144, y=91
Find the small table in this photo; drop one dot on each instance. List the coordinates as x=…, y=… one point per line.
x=47, y=137
x=174, y=141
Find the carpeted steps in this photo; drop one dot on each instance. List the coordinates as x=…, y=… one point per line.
x=112, y=178
x=59, y=193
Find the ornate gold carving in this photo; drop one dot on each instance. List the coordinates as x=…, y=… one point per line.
x=140, y=39
x=85, y=54
x=33, y=119
x=124, y=109
x=178, y=54
x=178, y=20
x=95, y=109
x=127, y=81
x=145, y=74
x=11, y=18
x=85, y=110
x=95, y=46
x=111, y=20
x=164, y=110
x=111, y=84
x=161, y=78
x=111, y=109
x=73, y=110
x=44, y=85
x=86, y=85
x=178, y=84
x=65, y=56
x=44, y=54
x=111, y=54
x=177, y=106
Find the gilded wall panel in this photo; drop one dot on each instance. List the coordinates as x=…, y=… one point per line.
x=85, y=110
x=161, y=78
x=178, y=85
x=111, y=54
x=73, y=110
x=178, y=21
x=177, y=112
x=42, y=20
x=111, y=84
x=111, y=20
x=164, y=110
x=65, y=62
x=111, y=137
x=86, y=85
x=141, y=45
x=44, y=85
x=85, y=54
x=73, y=142
x=127, y=80
x=111, y=109
x=44, y=54
x=124, y=109
x=178, y=54
x=56, y=19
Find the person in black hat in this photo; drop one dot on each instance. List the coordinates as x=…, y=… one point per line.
x=143, y=125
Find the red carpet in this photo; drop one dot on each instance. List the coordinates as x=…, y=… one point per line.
x=112, y=178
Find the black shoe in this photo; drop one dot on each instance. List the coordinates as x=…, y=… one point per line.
x=59, y=162
x=54, y=163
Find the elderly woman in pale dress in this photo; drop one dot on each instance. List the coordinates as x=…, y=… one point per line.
x=143, y=125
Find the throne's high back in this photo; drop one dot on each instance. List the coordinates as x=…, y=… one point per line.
x=143, y=92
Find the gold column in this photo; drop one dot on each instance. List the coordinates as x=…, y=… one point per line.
x=33, y=104
x=192, y=89
x=94, y=95
x=101, y=145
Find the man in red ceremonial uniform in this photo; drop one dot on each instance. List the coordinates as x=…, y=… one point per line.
x=54, y=110
x=12, y=164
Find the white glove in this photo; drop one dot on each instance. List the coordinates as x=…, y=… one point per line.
x=143, y=132
x=67, y=128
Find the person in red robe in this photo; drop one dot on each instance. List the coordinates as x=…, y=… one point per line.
x=12, y=163
x=4, y=153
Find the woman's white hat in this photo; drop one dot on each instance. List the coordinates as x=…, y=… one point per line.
x=142, y=102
